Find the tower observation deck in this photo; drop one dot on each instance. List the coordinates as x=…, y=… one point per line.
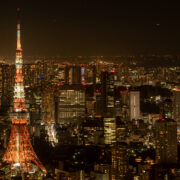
x=20, y=153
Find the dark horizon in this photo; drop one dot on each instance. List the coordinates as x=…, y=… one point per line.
x=84, y=27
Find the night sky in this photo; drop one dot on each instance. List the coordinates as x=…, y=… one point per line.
x=91, y=27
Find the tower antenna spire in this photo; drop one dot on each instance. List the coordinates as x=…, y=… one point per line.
x=18, y=30
x=20, y=153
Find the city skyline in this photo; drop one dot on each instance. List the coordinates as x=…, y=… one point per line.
x=109, y=117
x=83, y=27
x=60, y=113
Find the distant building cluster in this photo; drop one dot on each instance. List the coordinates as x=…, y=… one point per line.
x=129, y=113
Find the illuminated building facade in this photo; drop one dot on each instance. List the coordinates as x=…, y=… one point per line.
x=134, y=105
x=89, y=74
x=61, y=73
x=71, y=113
x=129, y=105
x=40, y=73
x=176, y=107
x=106, y=105
x=124, y=110
x=109, y=130
x=8, y=72
x=48, y=107
x=93, y=131
x=1, y=83
x=73, y=75
x=166, y=141
x=20, y=153
x=98, y=103
x=34, y=104
x=33, y=74
x=48, y=115
x=107, y=90
x=71, y=105
x=119, y=167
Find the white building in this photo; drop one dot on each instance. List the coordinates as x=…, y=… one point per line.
x=134, y=105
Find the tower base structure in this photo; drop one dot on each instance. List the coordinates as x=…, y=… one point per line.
x=20, y=153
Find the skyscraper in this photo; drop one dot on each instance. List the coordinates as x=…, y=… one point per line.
x=119, y=166
x=71, y=113
x=176, y=106
x=73, y=75
x=109, y=129
x=20, y=153
x=107, y=90
x=134, y=105
x=166, y=141
x=71, y=105
x=1, y=83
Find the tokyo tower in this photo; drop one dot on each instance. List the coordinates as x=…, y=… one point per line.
x=20, y=153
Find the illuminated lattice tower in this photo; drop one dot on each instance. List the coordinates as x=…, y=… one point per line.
x=20, y=153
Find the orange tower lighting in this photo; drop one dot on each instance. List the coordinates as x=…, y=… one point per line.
x=20, y=153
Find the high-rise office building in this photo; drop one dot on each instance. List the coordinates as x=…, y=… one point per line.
x=98, y=103
x=107, y=91
x=88, y=74
x=106, y=102
x=134, y=105
x=124, y=107
x=48, y=107
x=166, y=141
x=8, y=72
x=119, y=165
x=1, y=83
x=71, y=105
x=109, y=129
x=34, y=104
x=129, y=105
x=176, y=107
x=71, y=113
x=48, y=115
x=73, y=75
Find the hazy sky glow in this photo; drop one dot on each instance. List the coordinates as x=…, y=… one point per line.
x=91, y=27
